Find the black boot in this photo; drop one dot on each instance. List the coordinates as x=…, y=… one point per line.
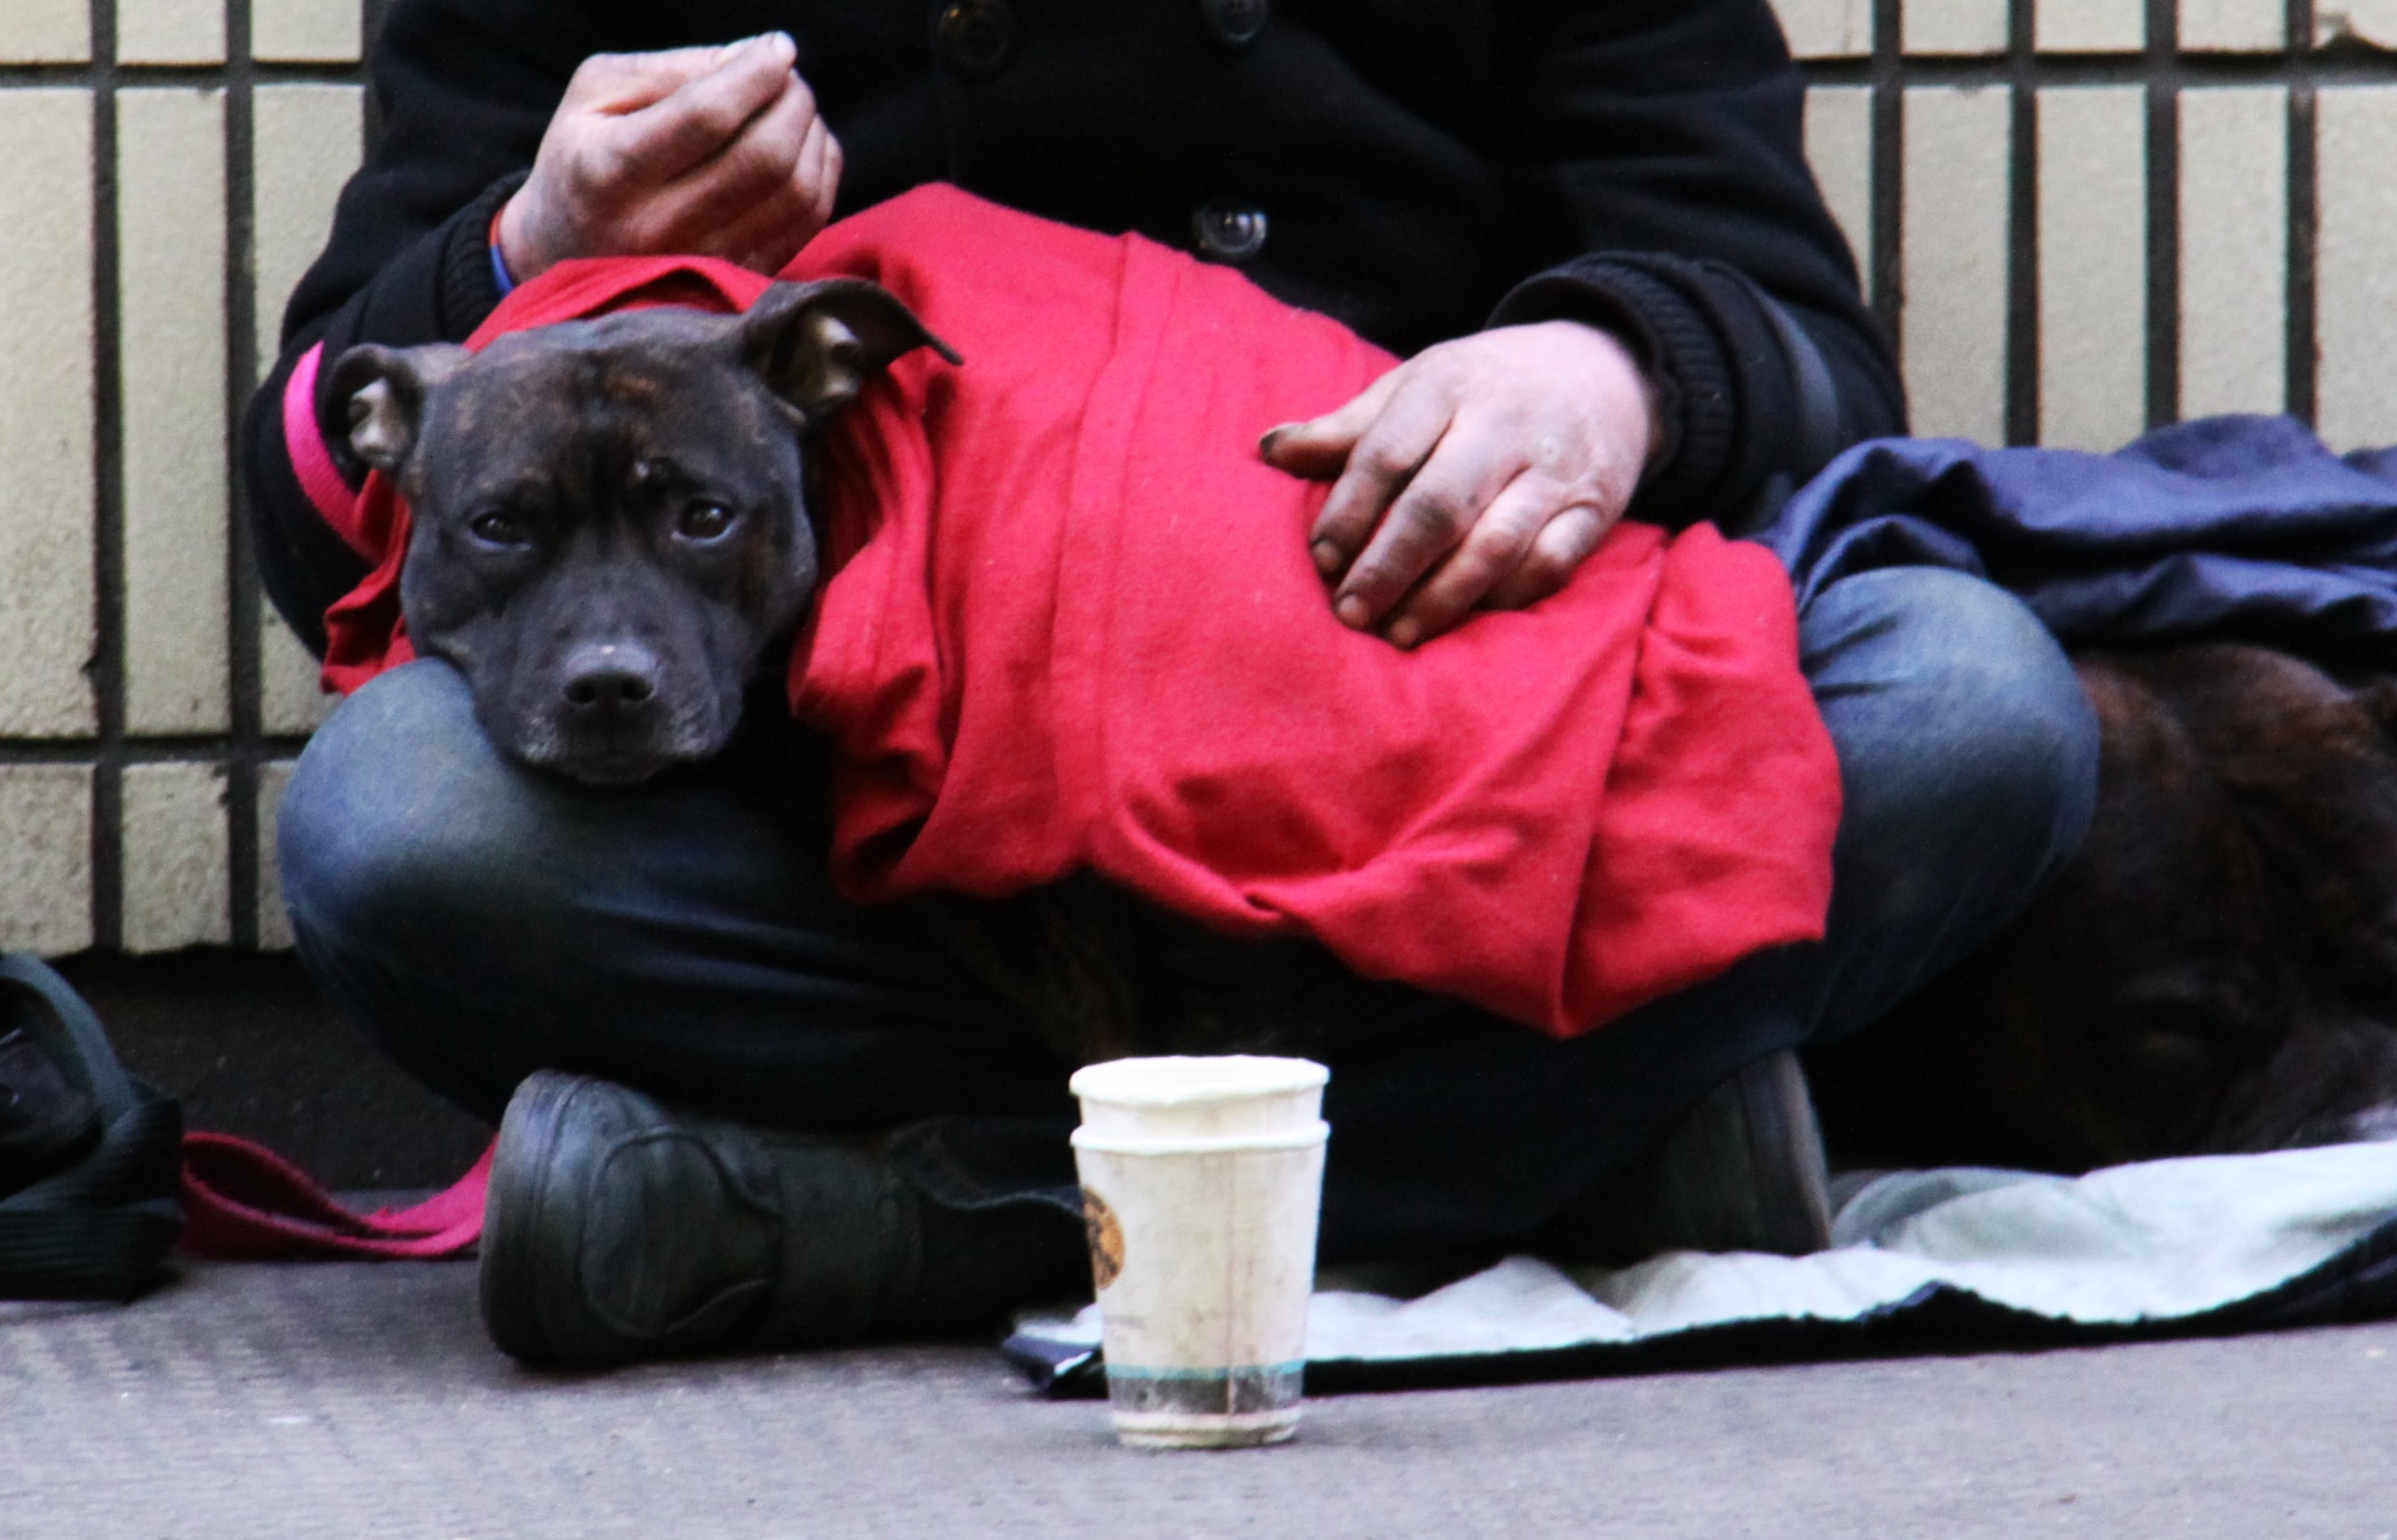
x=618, y=1228
x=1743, y=1171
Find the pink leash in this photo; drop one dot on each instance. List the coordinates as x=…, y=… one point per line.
x=244, y=1202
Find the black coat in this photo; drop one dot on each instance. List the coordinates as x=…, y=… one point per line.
x=1417, y=168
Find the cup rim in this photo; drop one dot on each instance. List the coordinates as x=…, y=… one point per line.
x=1192, y=1080
x=1315, y=1133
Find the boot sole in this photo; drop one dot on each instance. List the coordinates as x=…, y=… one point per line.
x=518, y=1216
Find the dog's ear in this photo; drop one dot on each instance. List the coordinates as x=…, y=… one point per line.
x=385, y=390
x=817, y=344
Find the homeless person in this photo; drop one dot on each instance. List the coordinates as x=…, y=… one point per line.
x=787, y=1117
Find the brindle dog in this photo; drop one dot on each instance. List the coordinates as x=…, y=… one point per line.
x=610, y=534
x=2216, y=970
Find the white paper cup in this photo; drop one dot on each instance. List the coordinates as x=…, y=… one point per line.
x=1201, y=1178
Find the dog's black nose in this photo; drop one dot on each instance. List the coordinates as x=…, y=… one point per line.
x=610, y=679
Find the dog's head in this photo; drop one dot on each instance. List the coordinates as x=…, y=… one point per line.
x=610, y=518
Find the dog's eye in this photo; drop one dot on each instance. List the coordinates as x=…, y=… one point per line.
x=704, y=521
x=500, y=529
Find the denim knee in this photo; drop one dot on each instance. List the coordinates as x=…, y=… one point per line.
x=398, y=813
x=1968, y=757
x=1949, y=701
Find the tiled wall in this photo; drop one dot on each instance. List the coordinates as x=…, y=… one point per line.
x=2084, y=217
x=167, y=170
x=2080, y=217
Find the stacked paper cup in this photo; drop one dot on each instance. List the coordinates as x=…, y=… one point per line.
x=1201, y=1181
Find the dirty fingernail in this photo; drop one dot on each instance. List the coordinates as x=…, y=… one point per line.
x=1326, y=556
x=1405, y=633
x=1353, y=613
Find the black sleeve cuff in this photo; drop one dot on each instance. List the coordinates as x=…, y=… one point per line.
x=1756, y=395
x=1647, y=301
x=469, y=292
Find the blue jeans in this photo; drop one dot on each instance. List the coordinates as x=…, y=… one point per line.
x=481, y=921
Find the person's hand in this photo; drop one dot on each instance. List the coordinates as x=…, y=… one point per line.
x=714, y=151
x=1479, y=473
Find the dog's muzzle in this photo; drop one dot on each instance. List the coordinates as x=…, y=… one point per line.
x=608, y=721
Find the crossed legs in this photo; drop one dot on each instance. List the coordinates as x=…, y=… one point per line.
x=481, y=921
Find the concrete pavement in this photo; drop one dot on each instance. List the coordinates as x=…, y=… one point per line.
x=258, y=1402
x=360, y=1400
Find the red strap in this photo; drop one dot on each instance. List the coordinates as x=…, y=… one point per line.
x=244, y=1202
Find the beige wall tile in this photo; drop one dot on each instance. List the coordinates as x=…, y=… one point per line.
x=304, y=29
x=309, y=141
x=2233, y=26
x=2092, y=267
x=2091, y=26
x=44, y=30
x=170, y=32
x=2234, y=249
x=1952, y=322
x=1827, y=29
x=176, y=872
x=289, y=700
x=45, y=857
x=1839, y=143
x=2367, y=21
x=274, y=922
x=1954, y=26
x=46, y=625
x=2355, y=271
x=171, y=241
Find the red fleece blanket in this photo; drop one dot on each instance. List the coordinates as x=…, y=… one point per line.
x=1070, y=622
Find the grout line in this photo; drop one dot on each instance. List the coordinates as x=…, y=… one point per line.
x=2305, y=227
x=190, y=749
x=2164, y=219
x=1884, y=266
x=2304, y=344
x=199, y=76
x=2021, y=309
x=243, y=877
x=372, y=15
x=108, y=662
x=2177, y=71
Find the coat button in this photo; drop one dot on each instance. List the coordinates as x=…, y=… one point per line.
x=976, y=36
x=1235, y=23
x=1229, y=233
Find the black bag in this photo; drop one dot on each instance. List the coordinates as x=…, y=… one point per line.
x=88, y=1156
